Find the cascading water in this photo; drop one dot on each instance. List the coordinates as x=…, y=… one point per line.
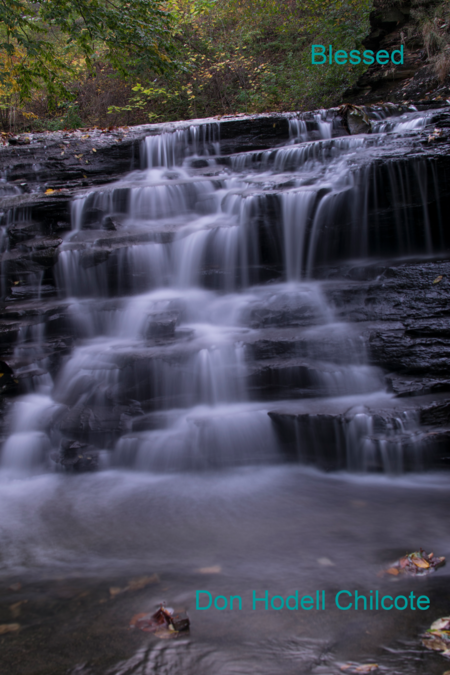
x=165, y=277
x=214, y=322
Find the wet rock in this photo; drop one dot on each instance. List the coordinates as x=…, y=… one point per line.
x=355, y=119
x=108, y=224
x=76, y=456
x=100, y=426
x=8, y=381
x=437, y=414
x=404, y=385
x=162, y=325
x=384, y=438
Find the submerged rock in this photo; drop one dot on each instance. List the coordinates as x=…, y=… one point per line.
x=76, y=456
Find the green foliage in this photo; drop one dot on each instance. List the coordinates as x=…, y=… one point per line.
x=186, y=58
x=242, y=56
x=47, y=43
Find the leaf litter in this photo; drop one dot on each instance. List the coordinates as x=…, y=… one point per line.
x=164, y=623
x=413, y=564
x=437, y=638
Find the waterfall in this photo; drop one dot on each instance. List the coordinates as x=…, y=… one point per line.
x=191, y=291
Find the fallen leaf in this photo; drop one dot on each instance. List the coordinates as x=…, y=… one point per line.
x=9, y=628
x=141, y=582
x=393, y=570
x=115, y=590
x=419, y=562
x=94, y=150
x=441, y=624
x=49, y=191
x=438, y=279
x=163, y=623
x=437, y=638
x=325, y=562
x=214, y=569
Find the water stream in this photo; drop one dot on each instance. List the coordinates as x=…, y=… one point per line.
x=193, y=289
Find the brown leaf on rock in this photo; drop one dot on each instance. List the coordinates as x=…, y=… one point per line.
x=419, y=562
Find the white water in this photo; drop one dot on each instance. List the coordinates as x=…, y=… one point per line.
x=169, y=325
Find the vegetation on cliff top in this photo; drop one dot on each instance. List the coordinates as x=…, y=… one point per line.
x=68, y=63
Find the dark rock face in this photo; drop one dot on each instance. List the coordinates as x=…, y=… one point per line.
x=75, y=456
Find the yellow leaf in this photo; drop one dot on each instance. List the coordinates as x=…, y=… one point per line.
x=393, y=571
x=438, y=279
x=49, y=191
x=420, y=562
x=215, y=569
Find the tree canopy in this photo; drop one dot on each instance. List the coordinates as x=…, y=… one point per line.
x=45, y=41
x=115, y=61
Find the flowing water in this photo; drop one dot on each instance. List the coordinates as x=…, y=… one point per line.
x=192, y=289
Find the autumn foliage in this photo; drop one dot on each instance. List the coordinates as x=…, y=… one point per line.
x=66, y=63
